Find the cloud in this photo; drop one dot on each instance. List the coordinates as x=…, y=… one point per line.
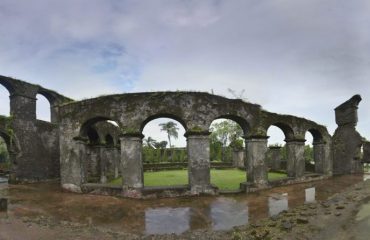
x=296, y=57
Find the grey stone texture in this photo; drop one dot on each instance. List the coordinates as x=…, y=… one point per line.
x=199, y=163
x=366, y=152
x=256, y=160
x=275, y=158
x=239, y=158
x=81, y=145
x=347, y=141
x=295, y=158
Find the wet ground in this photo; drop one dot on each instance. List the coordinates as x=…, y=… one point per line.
x=177, y=215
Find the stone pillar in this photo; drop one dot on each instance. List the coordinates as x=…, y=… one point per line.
x=102, y=152
x=275, y=152
x=73, y=169
x=346, y=140
x=319, y=156
x=256, y=147
x=132, y=165
x=116, y=161
x=366, y=152
x=199, y=162
x=295, y=158
x=23, y=107
x=238, y=158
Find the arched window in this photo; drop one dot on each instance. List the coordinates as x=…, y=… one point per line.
x=227, y=153
x=276, y=151
x=5, y=102
x=164, y=150
x=43, y=108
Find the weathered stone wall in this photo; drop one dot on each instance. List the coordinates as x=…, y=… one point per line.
x=36, y=156
x=40, y=143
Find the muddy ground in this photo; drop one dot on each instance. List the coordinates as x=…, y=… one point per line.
x=345, y=215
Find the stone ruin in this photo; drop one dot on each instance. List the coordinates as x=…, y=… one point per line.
x=82, y=143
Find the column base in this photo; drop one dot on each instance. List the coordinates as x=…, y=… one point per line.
x=132, y=192
x=203, y=189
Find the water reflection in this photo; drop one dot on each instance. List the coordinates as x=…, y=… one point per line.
x=167, y=220
x=310, y=195
x=159, y=216
x=3, y=180
x=277, y=203
x=227, y=213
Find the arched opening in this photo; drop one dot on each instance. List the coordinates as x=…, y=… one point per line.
x=4, y=157
x=43, y=108
x=164, y=152
x=309, y=157
x=314, y=152
x=276, y=156
x=227, y=153
x=109, y=140
x=5, y=102
x=100, y=156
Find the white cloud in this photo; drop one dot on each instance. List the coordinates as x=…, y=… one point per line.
x=298, y=57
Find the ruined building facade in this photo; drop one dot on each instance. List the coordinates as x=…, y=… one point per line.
x=82, y=143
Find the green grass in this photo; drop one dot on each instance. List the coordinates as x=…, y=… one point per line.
x=228, y=179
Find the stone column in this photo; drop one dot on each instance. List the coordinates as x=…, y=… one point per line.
x=132, y=165
x=102, y=152
x=73, y=169
x=116, y=161
x=295, y=158
x=319, y=155
x=256, y=147
x=199, y=162
x=23, y=107
x=275, y=158
x=238, y=158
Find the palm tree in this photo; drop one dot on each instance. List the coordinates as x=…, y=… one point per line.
x=150, y=142
x=171, y=129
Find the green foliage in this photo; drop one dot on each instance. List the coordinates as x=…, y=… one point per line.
x=225, y=132
x=308, y=154
x=171, y=129
x=4, y=156
x=225, y=137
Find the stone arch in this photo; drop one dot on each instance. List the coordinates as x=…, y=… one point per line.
x=8, y=85
x=316, y=135
x=43, y=108
x=229, y=154
x=243, y=123
x=320, y=150
x=100, y=161
x=87, y=124
x=163, y=115
x=286, y=128
x=172, y=154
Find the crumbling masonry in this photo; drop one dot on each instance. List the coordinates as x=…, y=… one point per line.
x=82, y=145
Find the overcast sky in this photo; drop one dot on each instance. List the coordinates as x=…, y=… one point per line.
x=299, y=57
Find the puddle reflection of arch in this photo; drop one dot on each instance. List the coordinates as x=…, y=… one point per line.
x=167, y=220
x=277, y=203
x=227, y=213
x=310, y=195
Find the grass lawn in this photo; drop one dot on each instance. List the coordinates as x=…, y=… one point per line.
x=228, y=179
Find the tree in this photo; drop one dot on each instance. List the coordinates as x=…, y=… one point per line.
x=161, y=144
x=171, y=129
x=150, y=142
x=228, y=133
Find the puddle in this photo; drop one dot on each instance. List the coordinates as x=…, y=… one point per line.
x=161, y=216
x=361, y=227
